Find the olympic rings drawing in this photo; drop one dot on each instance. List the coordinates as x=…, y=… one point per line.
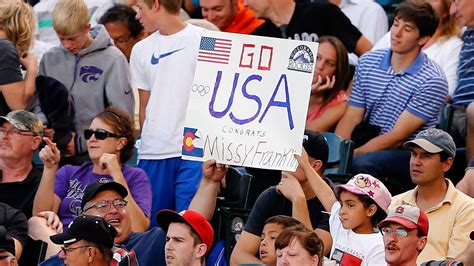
x=201, y=89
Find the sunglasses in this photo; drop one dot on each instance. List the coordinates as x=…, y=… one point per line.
x=99, y=134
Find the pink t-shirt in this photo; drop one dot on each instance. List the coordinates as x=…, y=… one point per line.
x=317, y=112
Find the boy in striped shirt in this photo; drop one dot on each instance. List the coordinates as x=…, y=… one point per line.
x=401, y=91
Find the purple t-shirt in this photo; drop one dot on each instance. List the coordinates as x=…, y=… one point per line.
x=71, y=181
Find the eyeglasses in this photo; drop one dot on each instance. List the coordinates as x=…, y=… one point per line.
x=15, y=132
x=65, y=250
x=399, y=232
x=99, y=134
x=104, y=205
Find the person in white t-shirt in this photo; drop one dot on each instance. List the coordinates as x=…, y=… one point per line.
x=355, y=208
x=162, y=67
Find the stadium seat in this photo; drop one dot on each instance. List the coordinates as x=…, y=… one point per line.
x=237, y=191
x=339, y=159
x=445, y=119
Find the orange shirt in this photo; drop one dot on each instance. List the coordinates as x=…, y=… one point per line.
x=245, y=22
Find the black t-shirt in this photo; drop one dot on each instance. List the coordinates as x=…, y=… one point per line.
x=271, y=203
x=9, y=69
x=267, y=29
x=15, y=222
x=20, y=195
x=313, y=20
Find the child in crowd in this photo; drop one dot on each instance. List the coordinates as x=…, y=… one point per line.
x=272, y=229
x=355, y=208
x=95, y=72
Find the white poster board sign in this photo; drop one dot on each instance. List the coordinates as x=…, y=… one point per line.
x=249, y=100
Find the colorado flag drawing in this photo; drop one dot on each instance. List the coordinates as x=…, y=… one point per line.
x=189, y=148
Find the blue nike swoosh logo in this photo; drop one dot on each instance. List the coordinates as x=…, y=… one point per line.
x=156, y=60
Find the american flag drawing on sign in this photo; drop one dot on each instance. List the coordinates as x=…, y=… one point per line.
x=214, y=50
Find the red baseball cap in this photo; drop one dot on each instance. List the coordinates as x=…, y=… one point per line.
x=192, y=218
x=408, y=216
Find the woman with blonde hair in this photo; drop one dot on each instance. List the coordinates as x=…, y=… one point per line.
x=16, y=35
x=445, y=44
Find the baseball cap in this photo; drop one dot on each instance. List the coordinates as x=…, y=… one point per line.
x=99, y=186
x=365, y=184
x=192, y=218
x=24, y=121
x=316, y=146
x=408, y=216
x=6, y=242
x=433, y=140
x=90, y=228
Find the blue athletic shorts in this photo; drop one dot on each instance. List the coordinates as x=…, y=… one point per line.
x=173, y=182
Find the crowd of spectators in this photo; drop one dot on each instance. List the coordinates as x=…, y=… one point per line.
x=82, y=80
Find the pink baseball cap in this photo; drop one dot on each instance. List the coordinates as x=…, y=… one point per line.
x=408, y=216
x=365, y=184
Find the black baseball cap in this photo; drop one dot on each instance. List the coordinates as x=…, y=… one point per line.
x=6, y=242
x=99, y=186
x=90, y=228
x=316, y=146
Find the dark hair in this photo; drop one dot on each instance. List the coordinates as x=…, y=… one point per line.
x=421, y=13
x=420, y=233
x=124, y=15
x=342, y=68
x=308, y=239
x=379, y=215
x=122, y=125
x=443, y=156
x=106, y=252
x=285, y=221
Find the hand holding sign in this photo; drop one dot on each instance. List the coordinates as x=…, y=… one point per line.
x=213, y=171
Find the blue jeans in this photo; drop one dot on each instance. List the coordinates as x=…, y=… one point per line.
x=392, y=167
